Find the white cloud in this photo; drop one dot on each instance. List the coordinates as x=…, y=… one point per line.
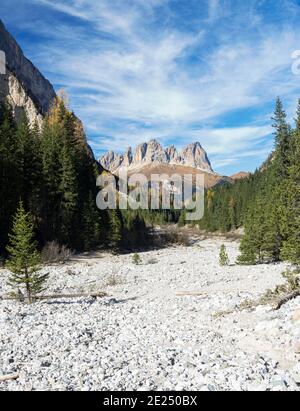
x=141, y=84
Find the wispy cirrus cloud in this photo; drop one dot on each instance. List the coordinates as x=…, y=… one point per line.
x=177, y=71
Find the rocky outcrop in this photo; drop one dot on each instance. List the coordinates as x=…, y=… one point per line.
x=240, y=175
x=27, y=90
x=12, y=91
x=194, y=156
x=112, y=161
x=172, y=154
x=140, y=153
x=153, y=153
x=23, y=85
x=128, y=157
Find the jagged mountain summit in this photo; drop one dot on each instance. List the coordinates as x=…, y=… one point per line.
x=152, y=153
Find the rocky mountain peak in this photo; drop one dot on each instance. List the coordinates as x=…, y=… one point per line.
x=154, y=153
x=140, y=153
x=194, y=155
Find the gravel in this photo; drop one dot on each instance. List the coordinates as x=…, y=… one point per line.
x=145, y=337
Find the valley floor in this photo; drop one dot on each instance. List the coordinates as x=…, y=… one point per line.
x=146, y=335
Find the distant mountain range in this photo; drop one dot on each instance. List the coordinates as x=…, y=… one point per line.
x=152, y=158
x=153, y=153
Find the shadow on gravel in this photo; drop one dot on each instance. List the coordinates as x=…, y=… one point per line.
x=90, y=301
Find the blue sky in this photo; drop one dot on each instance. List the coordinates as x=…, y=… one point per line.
x=176, y=70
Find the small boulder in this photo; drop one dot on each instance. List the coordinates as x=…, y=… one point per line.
x=296, y=315
x=297, y=348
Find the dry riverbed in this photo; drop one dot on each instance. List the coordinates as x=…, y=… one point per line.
x=150, y=332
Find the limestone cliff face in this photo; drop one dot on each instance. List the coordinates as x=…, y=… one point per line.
x=195, y=156
x=23, y=85
x=128, y=157
x=12, y=90
x=172, y=154
x=112, y=161
x=153, y=153
x=140, y=153
x=26, y=89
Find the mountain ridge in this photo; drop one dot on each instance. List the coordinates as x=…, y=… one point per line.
x=152, y=152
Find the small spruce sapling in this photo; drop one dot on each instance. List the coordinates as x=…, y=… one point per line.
x=136, y=259
x=223, y=257
x=24, y=261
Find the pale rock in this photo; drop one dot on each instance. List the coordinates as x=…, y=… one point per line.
x=155, y=153
x=195, y=156
x=296, y=315
x=23, y=84
x=297, y=348
x=140, y=153
x=128, y=157
x=172, y=154
x=111, y=161
x=150, y=338
x=26, y=89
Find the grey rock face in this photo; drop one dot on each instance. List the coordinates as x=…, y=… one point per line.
x=140, y=153
x=194, y=155
x=153, y=153
x=26, y=89
x=23, y=83
x=12, y=90
x=128, y=157
x=172, y=154
x=111, y=161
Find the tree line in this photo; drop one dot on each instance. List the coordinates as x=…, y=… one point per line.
x=51, y=172
x=48, y=183
x=266, y=204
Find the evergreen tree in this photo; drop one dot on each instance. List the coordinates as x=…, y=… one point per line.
x=254, y=247
x=233, y=214
x=29, y=165
x=265, y=228
x=291, y=224
x=115, y=232
x=182, y=219
x=9, y=173
x=69, y=195
x=282, y=141
x=136, y=259
x=51, y=195
x=24, y=261
x=91, y=225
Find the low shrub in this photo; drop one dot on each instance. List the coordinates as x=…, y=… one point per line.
x=136, y=259
x=53, y=253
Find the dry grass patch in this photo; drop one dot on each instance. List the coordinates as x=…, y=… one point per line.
x=113, y=280
x=285, y=292
x=53, y=253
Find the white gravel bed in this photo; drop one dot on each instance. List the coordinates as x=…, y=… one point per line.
x=144, y=336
